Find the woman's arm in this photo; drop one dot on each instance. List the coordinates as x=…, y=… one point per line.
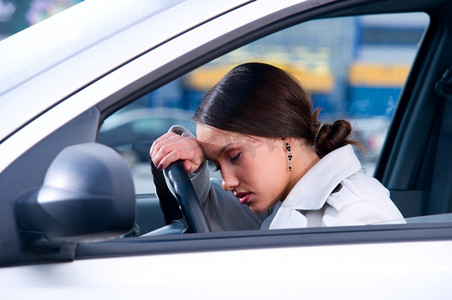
x=223, y=210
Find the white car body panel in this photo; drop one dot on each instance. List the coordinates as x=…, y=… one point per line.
x=314, y=273
x=105, y=42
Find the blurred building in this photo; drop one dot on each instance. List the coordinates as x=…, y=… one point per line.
x=16, y=15
x=355, y=65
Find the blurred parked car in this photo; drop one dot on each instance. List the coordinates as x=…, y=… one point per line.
x=132, y=132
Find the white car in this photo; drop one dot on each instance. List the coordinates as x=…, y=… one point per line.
x=68, y=203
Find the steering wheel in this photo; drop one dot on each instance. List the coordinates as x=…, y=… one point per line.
x=186, y=197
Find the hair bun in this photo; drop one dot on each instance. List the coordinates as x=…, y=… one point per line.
x=331, y=137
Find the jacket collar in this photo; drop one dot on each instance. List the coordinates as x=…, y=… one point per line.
x=313, y=189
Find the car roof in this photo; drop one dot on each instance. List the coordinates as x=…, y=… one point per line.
x=94, y=28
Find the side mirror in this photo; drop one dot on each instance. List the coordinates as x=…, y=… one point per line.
x=87, y=195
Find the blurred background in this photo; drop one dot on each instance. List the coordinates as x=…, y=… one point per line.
x=16, y=15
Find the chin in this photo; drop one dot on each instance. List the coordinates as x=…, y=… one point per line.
x=256, y=210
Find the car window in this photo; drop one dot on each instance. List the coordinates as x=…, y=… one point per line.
x=352, y=67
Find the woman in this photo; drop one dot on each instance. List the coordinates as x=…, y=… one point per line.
x=280, y=167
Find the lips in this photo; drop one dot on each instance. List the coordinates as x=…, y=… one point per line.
x=243, y=197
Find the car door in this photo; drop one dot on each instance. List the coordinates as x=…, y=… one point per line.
x=402, y=261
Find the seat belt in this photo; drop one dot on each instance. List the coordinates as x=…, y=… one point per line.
x=441, y=188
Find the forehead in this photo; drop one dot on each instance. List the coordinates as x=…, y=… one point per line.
x=214, y=136
x=215, y=141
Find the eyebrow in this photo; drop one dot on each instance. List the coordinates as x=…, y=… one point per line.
x=219, y=152
x=224, y=149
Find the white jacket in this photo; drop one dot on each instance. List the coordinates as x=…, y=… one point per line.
x=361, y=200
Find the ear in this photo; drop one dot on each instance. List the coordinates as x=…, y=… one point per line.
x=289, y=140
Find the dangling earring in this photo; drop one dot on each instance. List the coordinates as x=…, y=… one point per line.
x=289, y=156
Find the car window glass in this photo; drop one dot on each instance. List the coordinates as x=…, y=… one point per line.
x=353, y=68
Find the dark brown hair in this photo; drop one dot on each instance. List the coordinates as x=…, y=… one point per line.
x=262, y=100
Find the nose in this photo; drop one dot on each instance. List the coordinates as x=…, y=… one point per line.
x=229, y=180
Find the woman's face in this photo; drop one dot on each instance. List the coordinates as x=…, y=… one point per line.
x=255, y=169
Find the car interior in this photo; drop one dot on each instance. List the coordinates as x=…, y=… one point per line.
x=412, y=160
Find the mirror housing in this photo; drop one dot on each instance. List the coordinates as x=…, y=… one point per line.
x=87, y=195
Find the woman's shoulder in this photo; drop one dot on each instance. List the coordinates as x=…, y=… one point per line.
x=362, y=200
x=365, y=186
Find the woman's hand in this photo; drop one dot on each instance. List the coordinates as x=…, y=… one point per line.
x=171, y=147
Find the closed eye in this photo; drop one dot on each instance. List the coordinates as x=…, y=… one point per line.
x=235, y=157
x=218, y=167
